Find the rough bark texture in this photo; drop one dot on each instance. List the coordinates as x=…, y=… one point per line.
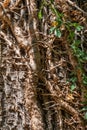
x=35, y=67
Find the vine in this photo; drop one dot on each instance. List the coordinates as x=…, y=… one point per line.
x=75, y=39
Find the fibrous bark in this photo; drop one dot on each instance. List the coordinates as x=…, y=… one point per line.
x=35, y=67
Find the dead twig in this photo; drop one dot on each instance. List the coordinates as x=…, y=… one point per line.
x=78, y=8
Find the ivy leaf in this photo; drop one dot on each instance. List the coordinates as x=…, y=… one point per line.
x=79, y=28
x=84, y=79
x=73, y=79
x=85, y=82
x=85, y=57
x=57, y=33
x=72, y=87
x=40, y=16
x=85, y=116
x=51, y=30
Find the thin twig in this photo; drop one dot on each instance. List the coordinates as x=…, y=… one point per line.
x=78, y=8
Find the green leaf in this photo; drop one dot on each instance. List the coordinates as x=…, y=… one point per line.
x=72, y=87
x=85, y=116
x=85, y=57
x=74, y=48
x=59, y=20
x=84, y=109
x=54, y=11
x=40, y=16
x=84, y=82
x=79, y=28
x=71, y=35
x=85, y=102
x=57, y=33
x=85, y=95
x=73, y=79
x=84, y=79
x=52, y=1
x=76, y=43
x=51, y=30
x=76, y=25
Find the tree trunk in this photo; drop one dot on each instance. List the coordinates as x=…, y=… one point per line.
x=34, y=93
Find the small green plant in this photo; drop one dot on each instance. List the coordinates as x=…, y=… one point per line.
x=40, y=15
x=72, y=87
x=81, y=57
x=72, y=80
x=84, y=79
x=84, y=109
x=56, y=31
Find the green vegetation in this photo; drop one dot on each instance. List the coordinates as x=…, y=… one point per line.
x=73, y=28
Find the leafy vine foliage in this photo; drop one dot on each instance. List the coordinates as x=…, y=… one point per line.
x=43, y=65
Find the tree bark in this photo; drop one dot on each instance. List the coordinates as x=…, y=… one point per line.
x=34, y=91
